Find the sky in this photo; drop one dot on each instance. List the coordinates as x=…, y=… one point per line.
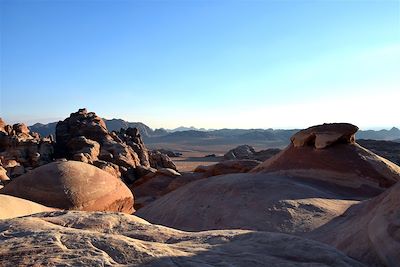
x=211, y=64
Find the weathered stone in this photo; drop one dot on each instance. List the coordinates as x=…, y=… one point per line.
x=159, y=160
x=324, y=135
x=72, y=185
x=72, y=238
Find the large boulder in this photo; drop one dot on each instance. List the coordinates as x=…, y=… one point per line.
x=368, y=231
x=72, y=185
x=107, y=239
x=261, y=202
x=159, y=160
x=329, y=153
x=11, y=207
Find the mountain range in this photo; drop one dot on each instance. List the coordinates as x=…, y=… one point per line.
x=184, y=134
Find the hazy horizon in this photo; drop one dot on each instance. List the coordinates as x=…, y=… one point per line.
x=207, y=64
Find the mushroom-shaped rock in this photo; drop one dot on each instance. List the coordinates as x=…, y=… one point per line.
x=72, y=185
x=342, y=161
x=11, y=207
x=324, y=135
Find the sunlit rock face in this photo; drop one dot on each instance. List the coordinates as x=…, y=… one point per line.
x=11, y=207
x=106, y=239
x=22, y=150
x=84, y=137
x=72, y=185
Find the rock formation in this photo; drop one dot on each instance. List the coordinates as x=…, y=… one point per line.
x=329, y=153
x=153, y=185
x=72, y=185
x=108, y=239
x=369, y=231
x=11, y=207
x=21, y=150
x=248, y=152
x=84, y=137
x=322, y=136
x=260, y=202
x=159, y=160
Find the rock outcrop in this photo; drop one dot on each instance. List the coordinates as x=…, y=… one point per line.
x=322, y=136
x=329, y=153
x=107, y=239
x=11, y=207
x=84, y=137
x=159, y=160
x=369, y=231
x=248, y=152
x=21, y=150
x=260, y=202
x=72, y=185
x=153, y=185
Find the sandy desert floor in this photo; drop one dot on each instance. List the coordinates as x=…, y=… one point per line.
x=195, y=155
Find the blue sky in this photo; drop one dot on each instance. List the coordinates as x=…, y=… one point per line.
x=212, y=64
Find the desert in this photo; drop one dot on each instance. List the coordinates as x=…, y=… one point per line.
x=199, y=133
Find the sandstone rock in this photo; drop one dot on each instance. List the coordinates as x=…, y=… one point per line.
x=153, y=185
x=240, y=152
x=3, y=175
x=248, y=152
x=343, y=162
x=25, y=149
x=21, y=128
x=107, y=239
x=369, y=231
x=109, y=167
x=2, y=125
x=11, y=207
x=82, y=145
x=72, y=185
x=132, y=137
x=84, y=137
x=229, y=166
x=260, y=202
x=324, y=135
x=159, y=160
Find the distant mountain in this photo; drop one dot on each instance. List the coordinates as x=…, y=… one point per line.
x=191, y=128
x=44, y=129
x=391, y=134
x=201, y=136
x=117, y=124
x=112, y=125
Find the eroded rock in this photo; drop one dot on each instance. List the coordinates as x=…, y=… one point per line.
x=72, y=185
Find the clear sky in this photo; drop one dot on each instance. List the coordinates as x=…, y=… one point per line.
x=212, y=64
